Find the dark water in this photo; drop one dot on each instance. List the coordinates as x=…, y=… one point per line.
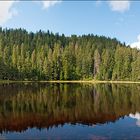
x=69, y=111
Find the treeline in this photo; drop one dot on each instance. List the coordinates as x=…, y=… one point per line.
x=48, y=56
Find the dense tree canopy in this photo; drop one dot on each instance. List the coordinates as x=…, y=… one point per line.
x=48, y=56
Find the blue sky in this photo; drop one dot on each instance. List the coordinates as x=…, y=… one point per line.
x=120, y=19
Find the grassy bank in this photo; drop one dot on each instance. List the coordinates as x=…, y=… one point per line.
x=71, y=81
x=92, y=81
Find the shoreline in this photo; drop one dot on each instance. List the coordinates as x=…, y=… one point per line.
x=73, y=81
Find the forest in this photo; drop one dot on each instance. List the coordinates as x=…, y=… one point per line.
x=47, y=56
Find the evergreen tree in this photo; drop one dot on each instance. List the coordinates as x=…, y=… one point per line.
x=48, y=56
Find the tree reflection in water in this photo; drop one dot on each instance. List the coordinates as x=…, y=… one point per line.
x=47, y=105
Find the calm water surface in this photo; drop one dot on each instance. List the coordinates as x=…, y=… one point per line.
x=69, y=111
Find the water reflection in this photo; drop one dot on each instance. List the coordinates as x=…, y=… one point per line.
x=137, y=117
x=47, y=105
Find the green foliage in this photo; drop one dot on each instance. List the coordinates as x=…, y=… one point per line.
x=48, y=56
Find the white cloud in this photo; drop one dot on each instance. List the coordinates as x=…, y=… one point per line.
x=98, y=2
x=136, y=44
x=119, y=6
x=47, y=4
x=6, y=12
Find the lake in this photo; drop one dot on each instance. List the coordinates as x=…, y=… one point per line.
x=69, y=111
